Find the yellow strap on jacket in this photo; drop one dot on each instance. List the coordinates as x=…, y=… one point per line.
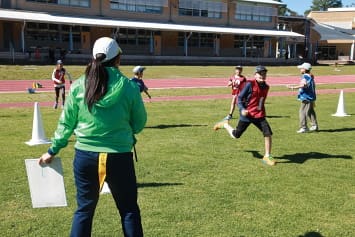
x=102, y=169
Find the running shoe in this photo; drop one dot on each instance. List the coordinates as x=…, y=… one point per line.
x=220, y=125
x=302, y=130
x=269, y=160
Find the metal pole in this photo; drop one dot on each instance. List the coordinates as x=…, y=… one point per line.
x=23, y=37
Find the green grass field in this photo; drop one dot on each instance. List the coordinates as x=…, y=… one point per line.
x=196, y=182
x=36, y=72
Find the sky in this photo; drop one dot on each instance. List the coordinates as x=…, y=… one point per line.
x=300, y=6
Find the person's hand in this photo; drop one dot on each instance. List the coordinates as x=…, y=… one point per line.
x=244, y=112
x=46, y=158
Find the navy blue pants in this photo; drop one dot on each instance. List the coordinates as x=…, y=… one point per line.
x=120, y=177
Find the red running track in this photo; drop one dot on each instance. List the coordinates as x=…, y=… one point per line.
x=13, y=86
x=22, y=85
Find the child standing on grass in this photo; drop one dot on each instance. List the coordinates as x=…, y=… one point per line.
x=138, y=78
x=237, y=82
x=58, y=78
x=307, y=96
x=251, y=101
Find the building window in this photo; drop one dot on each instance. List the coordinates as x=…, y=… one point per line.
x=327, y=52
x=48, y=33
x=211, y=9
x=134, y=37
x=254, y=45
x=255, y=12
x=44, y=1
x=79, y=3
x=198, y=40
x=146, y=6
x=74, y=3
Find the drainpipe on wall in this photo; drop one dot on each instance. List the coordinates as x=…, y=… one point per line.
x=186, y=42
x=71, y=39
x=151, y=43
x=295, y=50
x=23, y=37
x=216, y=46
x=245, y=47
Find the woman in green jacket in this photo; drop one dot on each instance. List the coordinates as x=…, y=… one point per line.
x=104, y=110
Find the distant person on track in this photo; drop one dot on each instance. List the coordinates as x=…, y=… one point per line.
x=307, y=96
x=251, y=103
x=138, y=78
x=236, y=82
x=58, y=78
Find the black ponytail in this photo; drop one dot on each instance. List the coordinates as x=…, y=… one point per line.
x=97, y=79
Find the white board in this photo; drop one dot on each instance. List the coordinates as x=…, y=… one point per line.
x=46, y=183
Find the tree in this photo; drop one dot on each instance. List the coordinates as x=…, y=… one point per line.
x=323, y=5
x=285, y=11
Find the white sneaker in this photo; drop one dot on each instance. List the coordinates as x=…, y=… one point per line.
x=313, y=128
x=302, y=130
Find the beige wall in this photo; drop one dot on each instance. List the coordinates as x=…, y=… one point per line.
x=344, y=19
x=327, y=16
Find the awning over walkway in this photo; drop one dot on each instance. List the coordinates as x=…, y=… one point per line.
x=330, y=33
x=42, y=17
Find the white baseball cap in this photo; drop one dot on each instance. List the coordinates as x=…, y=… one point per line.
x=138, y=69
x=107, y=46
x=306, y=66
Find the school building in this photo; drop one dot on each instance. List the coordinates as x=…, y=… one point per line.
x=335, y=33
x=157, y=31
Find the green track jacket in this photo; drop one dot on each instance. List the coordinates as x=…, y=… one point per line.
x=112, y=123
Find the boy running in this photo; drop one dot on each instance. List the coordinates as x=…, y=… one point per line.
x=251, y=101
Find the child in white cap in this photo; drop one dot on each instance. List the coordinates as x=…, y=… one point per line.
x=138, y=78
x=307, y=96
x=105, y=110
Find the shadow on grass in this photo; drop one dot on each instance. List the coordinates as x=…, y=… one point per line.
x=311, y=234
x=256, y=154
x=338, y=130
x=155, y=185
x=164, y=126
x=277, y=116
x=300, y=158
